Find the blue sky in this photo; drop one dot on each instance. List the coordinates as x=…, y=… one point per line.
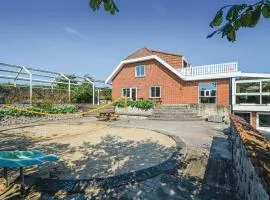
x=67, y=36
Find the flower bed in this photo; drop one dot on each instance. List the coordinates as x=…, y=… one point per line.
x=139, y=108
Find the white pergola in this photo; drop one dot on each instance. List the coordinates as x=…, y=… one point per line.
x=101, y=85
x=18, y=73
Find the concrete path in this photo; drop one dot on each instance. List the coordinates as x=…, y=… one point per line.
x=193, y=133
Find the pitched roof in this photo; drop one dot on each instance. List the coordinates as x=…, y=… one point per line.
x=143, y=52
x=172, y=69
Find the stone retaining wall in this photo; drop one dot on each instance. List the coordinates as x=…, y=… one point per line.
x=133, y=111
x=251, y=161
x=205, y=110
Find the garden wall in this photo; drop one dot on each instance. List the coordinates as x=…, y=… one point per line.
x=251, y=161
x=132, y=111
x=205, y=110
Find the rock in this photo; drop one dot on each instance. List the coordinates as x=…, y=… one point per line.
x=2, y=185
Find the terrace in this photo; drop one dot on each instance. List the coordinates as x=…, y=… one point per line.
x=222, y=68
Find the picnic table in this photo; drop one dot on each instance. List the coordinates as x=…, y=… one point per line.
x=107, y=115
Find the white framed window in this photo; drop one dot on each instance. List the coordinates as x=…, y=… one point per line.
x=252, y=92
x=245, y=115
x=155, y=92
x=140, y=71
x=130, y=93
x=207, y=92
x=263, y=121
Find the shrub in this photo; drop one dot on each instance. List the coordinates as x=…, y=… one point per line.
x=54, y=109
x=140, y=104
x=120, y=103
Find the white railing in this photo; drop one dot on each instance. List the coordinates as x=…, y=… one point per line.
x=210, y=69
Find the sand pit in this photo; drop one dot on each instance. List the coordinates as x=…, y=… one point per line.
x=91, y=150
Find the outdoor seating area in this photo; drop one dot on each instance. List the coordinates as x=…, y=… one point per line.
x=108, y=115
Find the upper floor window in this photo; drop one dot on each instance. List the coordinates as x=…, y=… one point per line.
x=207, y=92
x=155, y=92
x=140, y=71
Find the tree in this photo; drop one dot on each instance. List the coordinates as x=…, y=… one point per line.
x=109, y=5
x=227, y=21
x=230, y=18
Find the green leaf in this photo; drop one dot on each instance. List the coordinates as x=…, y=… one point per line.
x=217, y=19
x=255, y=17
x=234, y=11
x=246, y=18
x=95, y=4
x=92, y=4
x=266, y=11
x=237, y=24
x=109, y=5
x=231, y=36
x=226, y=29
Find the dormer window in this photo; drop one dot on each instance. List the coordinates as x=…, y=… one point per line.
x=140, y=71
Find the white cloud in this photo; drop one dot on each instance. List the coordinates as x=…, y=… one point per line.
x=76, y=33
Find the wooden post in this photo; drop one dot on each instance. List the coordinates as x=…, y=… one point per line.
x=22, y=180
x=6, y=175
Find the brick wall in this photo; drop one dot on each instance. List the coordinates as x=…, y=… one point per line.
x=173, y=60
x=253, y=119
x=173, y=89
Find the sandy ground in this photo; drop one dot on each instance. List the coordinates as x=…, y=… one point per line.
x=89, y=149
x=204, y=173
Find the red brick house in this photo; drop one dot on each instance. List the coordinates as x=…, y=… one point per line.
x=160, y=79
x=171, y=79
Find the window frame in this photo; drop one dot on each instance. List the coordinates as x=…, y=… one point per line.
x=260, y=93
x=208, y=90
x=150, y=92
x=258, y=122
x=130, y=92
x=138, y=76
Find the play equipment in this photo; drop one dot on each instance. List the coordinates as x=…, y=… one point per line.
x=21, y=159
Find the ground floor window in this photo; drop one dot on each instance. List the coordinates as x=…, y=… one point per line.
x=155, y=92
x=253, y=92
x=245, y=115
x=207, y=92
x=263, y=120
x=130, y=93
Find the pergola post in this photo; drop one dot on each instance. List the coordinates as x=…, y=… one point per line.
x=69, y=98
x=98, y=97
x=30, y=84
x=69, y=88
x=93, y=87
x=31, y=90
x=93, y=94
